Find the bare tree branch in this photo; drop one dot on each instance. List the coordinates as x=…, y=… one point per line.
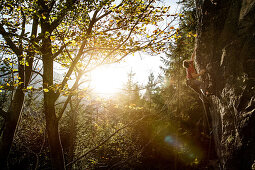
x=130, y=32
x=104, y=141
x=60, y=50
x=107, y=13
x=3, y=114
x=8, y=40
x=75, y=86
x=80, y=52
x=69, y=4
x=31, y=52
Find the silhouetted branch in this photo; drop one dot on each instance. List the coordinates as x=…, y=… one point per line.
x=3, y=114
x=104, y=141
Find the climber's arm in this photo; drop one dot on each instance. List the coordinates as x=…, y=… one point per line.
x=193, y=54
x=196, y=75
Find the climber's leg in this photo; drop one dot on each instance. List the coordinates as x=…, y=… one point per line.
x=202, y=88
x=198, y=86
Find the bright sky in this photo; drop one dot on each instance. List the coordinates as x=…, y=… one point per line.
x=109, y=79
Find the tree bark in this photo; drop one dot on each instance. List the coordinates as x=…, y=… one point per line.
x=12, y=117
x=14, y=111
x=73, y=133
x=10, y=126
x=56, y=150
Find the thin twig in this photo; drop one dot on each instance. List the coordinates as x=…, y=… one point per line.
x=104, y=141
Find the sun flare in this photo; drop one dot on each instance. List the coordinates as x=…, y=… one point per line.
x=107, y=81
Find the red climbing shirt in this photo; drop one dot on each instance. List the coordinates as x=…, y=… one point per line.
x=190, y=70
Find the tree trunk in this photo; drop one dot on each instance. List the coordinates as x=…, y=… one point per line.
x=56, y=150
x=15, y=108
x=12, y=117
x=73, y=133
x=10, y=126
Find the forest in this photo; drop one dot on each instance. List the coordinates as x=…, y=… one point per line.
x=50, y=117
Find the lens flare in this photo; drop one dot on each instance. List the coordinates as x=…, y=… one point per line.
x=169, y=139
x=183, y=148
x=172, y=141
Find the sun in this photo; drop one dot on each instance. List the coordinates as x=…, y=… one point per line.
x=106, y=81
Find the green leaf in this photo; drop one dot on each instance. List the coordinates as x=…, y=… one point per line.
x=30, y=87
x=46, y=90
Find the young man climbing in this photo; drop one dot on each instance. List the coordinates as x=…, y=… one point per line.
x=192, y=76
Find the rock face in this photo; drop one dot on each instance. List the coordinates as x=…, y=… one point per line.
x=226, y=46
